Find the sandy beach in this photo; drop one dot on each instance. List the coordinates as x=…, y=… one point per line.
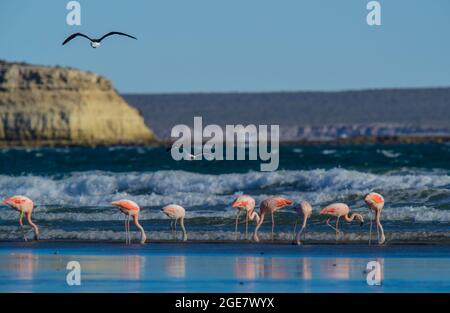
x=222, y=267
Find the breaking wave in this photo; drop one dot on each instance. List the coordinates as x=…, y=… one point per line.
x=77, y=205
x=156, y=188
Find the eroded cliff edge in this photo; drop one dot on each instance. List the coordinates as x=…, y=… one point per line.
x=50, y=106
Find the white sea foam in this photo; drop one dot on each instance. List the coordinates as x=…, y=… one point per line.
x=416, y=214
x=211, y=195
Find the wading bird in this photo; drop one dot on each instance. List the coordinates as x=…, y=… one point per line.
x=270, y=205
x=25, y=206
x=176, y=212
x=375, y=202
x=95, y=43
x=304, y=209
x=340, y=210
x=245, y=204
x=130, y=209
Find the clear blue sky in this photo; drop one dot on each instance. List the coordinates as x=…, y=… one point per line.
x=238, y=45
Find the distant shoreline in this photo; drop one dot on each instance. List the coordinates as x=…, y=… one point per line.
x=387, y=140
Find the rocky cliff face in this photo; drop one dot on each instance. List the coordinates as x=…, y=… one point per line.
x=61, y=106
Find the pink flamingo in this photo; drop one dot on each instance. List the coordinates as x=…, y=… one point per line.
x=176, y=212
x=340, y=210
x=25, y=206
x=375, y=201
x=270, y=205
x=130, y=208
x=247, y=204
x=305, y=209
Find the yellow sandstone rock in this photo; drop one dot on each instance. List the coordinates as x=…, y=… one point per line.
x=62, y=106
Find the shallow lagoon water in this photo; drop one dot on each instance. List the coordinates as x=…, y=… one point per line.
x=222, y=267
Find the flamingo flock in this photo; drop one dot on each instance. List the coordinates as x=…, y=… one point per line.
x=243, y=203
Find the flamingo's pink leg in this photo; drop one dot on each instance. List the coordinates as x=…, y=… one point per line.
x=273, y=224
x=126, y=231
x=21, y=226
x=24, y=233
x=236, y=227
x=172, y=227
x=246, y=226
x=378, y=233
x=382, y=237
x=370, y=229
x=337, y=228
x=175, y=228
x=21, y=218
x=328, y=223
x=295, y=230
x=129, y=230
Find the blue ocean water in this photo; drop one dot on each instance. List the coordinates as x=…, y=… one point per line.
x=208, y=267
x=73, y=189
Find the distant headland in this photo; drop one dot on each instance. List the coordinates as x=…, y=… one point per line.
x=54, y=106
x=411, y=115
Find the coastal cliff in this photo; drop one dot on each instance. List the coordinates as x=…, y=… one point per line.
x=51, y=106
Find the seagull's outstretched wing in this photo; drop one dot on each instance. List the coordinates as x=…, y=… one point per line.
x=116, y=33
x=73, y=36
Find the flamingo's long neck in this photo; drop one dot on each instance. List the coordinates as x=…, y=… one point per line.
x=351, y=218
x=378, y=216
x=258, y=225
x=297, y=237
x=33, y=225
x=305, y=219
x=136, y=222
x=253, y=215
x=183, y=229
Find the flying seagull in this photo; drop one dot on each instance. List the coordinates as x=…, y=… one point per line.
x=95, y=43
x=190, y=156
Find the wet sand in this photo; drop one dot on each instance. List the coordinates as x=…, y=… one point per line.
x=222, y=267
